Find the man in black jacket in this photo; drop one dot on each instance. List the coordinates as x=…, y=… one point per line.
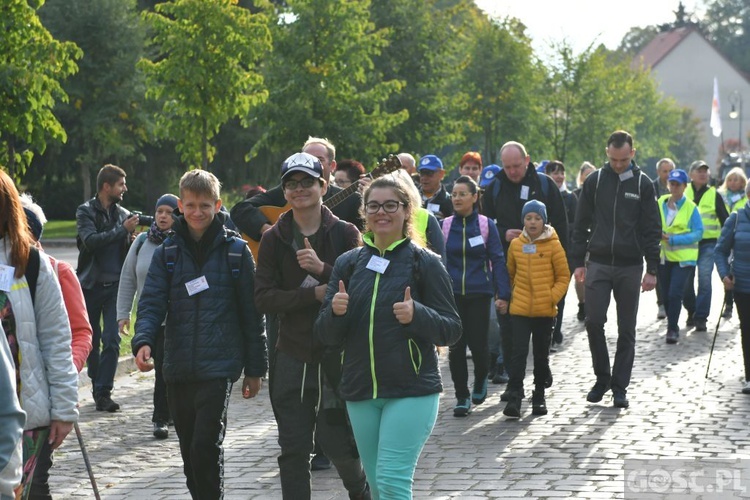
x=104, y=235
x=503, y=201
x=617, y=224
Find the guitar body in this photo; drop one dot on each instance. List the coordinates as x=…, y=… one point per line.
x=272, y=213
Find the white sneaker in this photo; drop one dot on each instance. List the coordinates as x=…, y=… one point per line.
x=662, y=313
x=746, y=388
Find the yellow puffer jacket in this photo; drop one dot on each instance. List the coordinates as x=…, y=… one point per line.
x=539, y=274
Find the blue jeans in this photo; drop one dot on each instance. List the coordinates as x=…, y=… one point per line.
x=672, y=279
x=390, y=435
x=101, y=302
x=700, y=306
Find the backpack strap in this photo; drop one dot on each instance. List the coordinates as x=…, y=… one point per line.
x=484, y=228
x=234, y=256
x=139, y=241
x=446, y=227
x=170, y=254
x=32, y=271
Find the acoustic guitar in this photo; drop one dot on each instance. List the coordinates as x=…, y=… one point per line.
x=272, y=213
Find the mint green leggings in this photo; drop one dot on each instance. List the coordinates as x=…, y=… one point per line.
x=390, y=435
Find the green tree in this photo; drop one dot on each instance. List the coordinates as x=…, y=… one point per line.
x=323, y=82
x=32, y=64
x=727, y=24
x=423, y=53
x=205, y=70
x=105, y=115
x=500, y=80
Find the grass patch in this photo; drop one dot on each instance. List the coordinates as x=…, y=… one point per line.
x=60, y=229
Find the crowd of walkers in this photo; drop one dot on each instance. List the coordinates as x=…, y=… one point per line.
x=342, y=291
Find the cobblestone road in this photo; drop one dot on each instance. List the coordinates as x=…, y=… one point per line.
x=576, y=451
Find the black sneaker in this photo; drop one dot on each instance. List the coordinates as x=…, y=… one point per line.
x=597, y=392
x=513, y=408
x=727, y=313
x=320, y=462
x=538, y=403
x=672, y=337
x=700, y=325
x=161, y=430
x=620, y=400
x=501, y=377
x=505, y=396
x=690, y=321
x=105, y=403
x=581, y=311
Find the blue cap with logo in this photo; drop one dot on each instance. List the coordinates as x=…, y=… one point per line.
x=488, y=174
x=678, y=175
x=430, y=162
x=302, y=162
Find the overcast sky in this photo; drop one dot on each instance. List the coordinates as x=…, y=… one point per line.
x=582, y=22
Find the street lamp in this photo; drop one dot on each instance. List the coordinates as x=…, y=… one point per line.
x=735, y=99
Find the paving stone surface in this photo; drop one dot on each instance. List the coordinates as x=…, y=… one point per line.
x=578, y=450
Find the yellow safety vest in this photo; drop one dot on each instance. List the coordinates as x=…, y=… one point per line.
x=421, y=217
x=733, y=206
x=680, y=225
x=707, y=209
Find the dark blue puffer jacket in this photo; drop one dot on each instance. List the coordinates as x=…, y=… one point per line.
x=212, y=334
x=735, y=237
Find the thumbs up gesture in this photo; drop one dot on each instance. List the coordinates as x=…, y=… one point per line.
x=340, y=301
x=404, y=311
x=308, y=259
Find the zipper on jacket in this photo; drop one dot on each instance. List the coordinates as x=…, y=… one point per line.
x=463, y=253
x=371, y=337
x=614, y=220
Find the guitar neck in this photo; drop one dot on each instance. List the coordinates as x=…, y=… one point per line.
x=342, y=195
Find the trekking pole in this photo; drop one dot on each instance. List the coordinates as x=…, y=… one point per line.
x=716, y=331
x=86, y=460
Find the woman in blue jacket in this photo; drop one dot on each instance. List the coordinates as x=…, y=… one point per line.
x=476, y=265
x=735, y=239
x=389, y=303
x=682, y=230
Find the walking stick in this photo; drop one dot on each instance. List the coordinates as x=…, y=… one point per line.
x=716, y=331
x=86, y=460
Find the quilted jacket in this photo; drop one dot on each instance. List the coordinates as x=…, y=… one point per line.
x=539, y=274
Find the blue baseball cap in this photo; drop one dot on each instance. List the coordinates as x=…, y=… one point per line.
x=678, y=175
x=302, y=162
x=488, y=173
x=430, y=162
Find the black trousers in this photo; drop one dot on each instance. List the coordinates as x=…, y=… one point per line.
x=743, y=311
x=303, y=414
x=539, y=330
x=161, y=407
x=475, y=318
x=200, y=419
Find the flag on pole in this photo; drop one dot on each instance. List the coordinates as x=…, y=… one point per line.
x=715, y=115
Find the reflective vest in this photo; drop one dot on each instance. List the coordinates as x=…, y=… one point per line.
x=707, y=209
x=680, y=225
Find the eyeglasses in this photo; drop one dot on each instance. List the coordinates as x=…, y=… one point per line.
x=461, y=194
x=306, y=183
x=388, y=207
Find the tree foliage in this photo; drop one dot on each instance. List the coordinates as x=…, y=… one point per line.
x=727, y=23
x=32, y=64
x=205, y=70
x=323, y=82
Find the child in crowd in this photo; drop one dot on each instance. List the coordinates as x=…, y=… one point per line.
x=539, y=278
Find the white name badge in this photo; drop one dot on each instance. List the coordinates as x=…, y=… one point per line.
x=524, y=192
x=476, y=240
x=433, y=207
x=309, y=282
x=735, y=198
x=196, y=286
x=529, y=248
x=6, y=277
x=378, y=264
x=626, y=175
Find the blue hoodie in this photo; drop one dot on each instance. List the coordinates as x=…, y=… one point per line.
x=467, y=264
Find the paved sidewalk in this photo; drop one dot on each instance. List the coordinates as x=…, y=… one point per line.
x=576, y=451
